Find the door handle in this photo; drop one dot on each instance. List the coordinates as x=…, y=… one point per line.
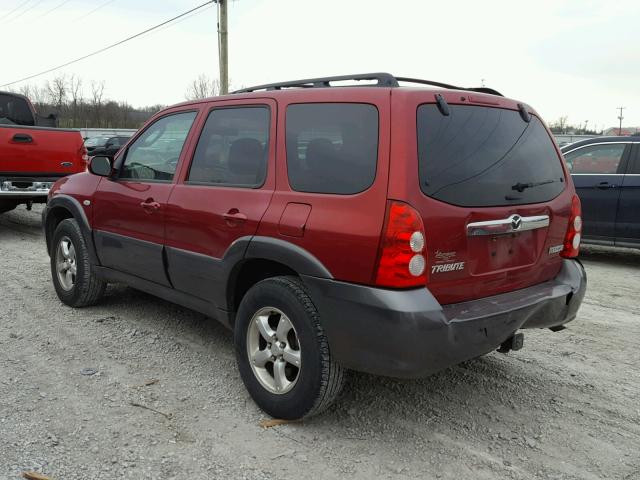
x=22, y=138
x=234, y=217
x=150, y=205
x=605, y=185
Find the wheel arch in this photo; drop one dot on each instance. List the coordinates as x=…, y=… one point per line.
x=262, y=258
x=60, y=208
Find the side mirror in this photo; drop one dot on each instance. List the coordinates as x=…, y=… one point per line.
x=101, y=166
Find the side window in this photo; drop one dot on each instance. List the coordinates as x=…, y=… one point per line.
x=154, y=155
x=233, y=148
x=603, y=159
x=634, y=167
x=332, y=147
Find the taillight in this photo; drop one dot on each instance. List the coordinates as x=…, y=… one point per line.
x=84, y=153
x=574, y=231
x=402, y=257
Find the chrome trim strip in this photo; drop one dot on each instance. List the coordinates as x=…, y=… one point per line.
x=598, y=143
x=512, y=224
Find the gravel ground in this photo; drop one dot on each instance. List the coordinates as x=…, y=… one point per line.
x=566, y=406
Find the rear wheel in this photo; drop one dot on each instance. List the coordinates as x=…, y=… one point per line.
x=75, y=282
x=282, y=352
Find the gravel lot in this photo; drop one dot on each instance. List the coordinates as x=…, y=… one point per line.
x=565, y=406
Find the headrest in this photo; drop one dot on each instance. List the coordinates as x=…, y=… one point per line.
x=246, y=156
x=320, y=151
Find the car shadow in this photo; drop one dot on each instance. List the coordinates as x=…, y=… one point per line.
x=19, y=222
x=491, y=394
x=610, y=255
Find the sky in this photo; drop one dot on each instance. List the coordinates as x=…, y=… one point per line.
x=579, y=59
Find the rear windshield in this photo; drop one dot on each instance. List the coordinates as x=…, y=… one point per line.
x=15, y=111
x=482, y=156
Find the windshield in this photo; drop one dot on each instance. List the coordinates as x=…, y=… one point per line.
x=15, y=111
x=482, y=156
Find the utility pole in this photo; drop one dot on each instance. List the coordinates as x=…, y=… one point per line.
x=223, y=46
x=620, y=117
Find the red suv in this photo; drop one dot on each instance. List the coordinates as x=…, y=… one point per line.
x=387, y=229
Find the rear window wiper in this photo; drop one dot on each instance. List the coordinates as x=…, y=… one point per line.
x=521, y=187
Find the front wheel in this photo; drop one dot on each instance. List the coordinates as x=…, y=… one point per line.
x=73, y=278
x=282, y=352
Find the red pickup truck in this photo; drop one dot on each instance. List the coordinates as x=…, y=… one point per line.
x=33, y=156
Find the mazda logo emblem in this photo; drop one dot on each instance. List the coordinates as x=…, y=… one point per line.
x=516, y=222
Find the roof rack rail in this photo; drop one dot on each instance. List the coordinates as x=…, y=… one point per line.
x=382, y=80
x=490, y=91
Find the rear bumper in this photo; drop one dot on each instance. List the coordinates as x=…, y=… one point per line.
x=25, y=187
x=409, y=334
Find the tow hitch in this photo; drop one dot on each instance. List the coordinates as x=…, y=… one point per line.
x=512, y=343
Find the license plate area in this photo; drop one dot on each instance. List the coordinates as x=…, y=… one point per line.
x=503, y=252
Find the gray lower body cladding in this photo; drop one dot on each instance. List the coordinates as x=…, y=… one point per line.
x=408, y=333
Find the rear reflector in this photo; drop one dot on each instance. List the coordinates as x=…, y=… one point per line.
x=402, y=256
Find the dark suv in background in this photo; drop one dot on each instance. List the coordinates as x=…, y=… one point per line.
x=381, y=228
x=606, y=173
x=107, y=146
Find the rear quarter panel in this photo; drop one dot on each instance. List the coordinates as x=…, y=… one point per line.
x=342, y=231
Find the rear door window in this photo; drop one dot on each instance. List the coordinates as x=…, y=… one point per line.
x=603, y=159
x=233, y=148
x=332, y=147
x=482, y=156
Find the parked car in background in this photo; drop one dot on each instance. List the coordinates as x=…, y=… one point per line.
x=110, y=147
x=33, y=157
x=606, y=173
x=95, y=142
x=328, y=236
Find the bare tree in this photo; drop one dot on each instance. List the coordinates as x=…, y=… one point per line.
x=562, y=123
x=202, y=87
x=25, y=90
x=65, y=96
x=97, y=92
x=75, y=89
x=57, y=92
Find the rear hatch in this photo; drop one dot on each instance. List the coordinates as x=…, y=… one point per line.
x=493, y=195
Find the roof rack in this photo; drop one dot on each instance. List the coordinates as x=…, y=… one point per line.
x=382, y=80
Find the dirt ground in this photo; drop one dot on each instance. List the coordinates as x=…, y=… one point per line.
x=566, y=406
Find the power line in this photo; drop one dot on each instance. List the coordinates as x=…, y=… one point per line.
x=104, y=49
x=183, y=19
x=14, y=10
x=53, y=9
x=100, y=7
x=28, y=9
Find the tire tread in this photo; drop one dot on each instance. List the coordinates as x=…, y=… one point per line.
x=91, y=288
x=333, y=374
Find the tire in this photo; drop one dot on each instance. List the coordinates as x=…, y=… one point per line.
x=307, y=389
x=78, y=286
